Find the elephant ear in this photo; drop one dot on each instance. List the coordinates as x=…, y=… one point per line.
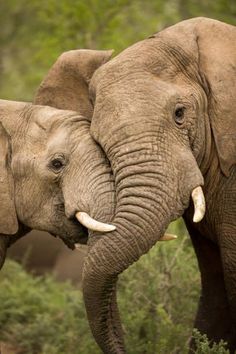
x=211, y=45
x=66, y=84
x=217, y=62
x=8, y=217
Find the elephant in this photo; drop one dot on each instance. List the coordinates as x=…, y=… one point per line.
x=164, y=115
x=52, y=172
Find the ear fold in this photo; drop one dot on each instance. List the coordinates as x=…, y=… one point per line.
x=66, y=84
x=8, y=218
x=211, y=45
x=217, y=57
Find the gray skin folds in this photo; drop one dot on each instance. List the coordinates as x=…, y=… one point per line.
x=50, y=172
x=164, y=114
x=31, y=136
x=163, y=111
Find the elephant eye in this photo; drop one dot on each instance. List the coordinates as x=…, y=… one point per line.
x=179, y=115
x=57, y=164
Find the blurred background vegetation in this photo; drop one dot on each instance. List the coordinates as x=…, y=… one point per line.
x=158, y=295
x=34, y=33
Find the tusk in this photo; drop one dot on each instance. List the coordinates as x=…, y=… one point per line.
x=168, y=237
x=81, y=248
x=199, y=204
x=93, y=224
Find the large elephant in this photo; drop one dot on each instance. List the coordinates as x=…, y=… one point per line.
x=52, y=172
x=164, y=114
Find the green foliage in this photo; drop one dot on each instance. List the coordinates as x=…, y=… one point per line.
x=205, y=347
x=158, y=294
x=39, y=315
x=34, y=33
x=158, y=297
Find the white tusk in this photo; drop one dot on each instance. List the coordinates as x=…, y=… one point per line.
x=199, y=204
x=168, y=237
x=93, y=224
x=81, y=248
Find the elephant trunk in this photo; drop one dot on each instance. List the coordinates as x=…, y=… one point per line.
x=137, y=231
x=146, y=203
x=151, y=191
x=92, y=200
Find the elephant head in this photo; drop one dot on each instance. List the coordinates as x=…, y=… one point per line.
x=164, y=120
x=52, y=173
x=43, y=186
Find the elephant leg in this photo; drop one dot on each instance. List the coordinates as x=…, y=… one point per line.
x=228, y=255
x=213, y=316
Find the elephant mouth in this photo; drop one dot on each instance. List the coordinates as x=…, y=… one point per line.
x=86, y=223
x=73, y=231
x=82, y=223
x=78, y=234
x=81, y=233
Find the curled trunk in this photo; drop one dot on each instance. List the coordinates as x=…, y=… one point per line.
x=88, y=185
x=149, y=196
x=142, y=215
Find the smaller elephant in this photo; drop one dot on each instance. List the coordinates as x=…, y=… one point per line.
x=48, y=164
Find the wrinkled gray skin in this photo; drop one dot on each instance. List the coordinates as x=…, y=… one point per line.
x=49, y=171
x=158, y=156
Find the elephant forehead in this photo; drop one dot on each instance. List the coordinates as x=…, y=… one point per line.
x=48, y=118
x=47, y=126
x=163, y=58
x=44, y=117
x=58, y=139
x=123, y=108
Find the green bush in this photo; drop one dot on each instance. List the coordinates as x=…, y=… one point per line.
x=34, y=33
x=40, y=315
x=157, y=297
x=204, y=347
